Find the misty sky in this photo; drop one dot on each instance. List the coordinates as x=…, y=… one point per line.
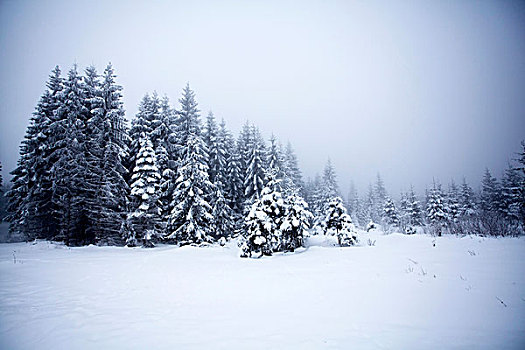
x=410, y=89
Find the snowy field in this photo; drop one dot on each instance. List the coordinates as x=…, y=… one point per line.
x=402, y=293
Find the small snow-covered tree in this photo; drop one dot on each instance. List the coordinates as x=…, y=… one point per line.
x=295, y=224
x=436, y=208
x=414, y=208
x=467, y=205
x=338, y=222
x=263, y=223
x=390, y=212
x=223, y=218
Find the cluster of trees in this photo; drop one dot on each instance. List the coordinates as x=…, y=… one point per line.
x=498, y=208
x=84, y=177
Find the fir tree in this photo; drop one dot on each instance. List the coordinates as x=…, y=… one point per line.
x=510, y=195
x=452, y=208
x=338, y=222
x=191, y=219
x=145, y=214
x=390, y=213
x=380, y=197
x=254, y=180
x=414, y=209
x=295, y=223
x=30, y=207
x=292, y=171
x=467, y=206
x=490, y=194
x=436, y=208
x=263, y=222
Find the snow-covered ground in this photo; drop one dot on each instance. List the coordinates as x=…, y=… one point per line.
x=402, y=293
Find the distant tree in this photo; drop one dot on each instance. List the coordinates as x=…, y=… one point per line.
x=467, y=205
x=436, y=208
x=414, y=208
x=256, y=167
x=490, y=193
x=352, y=203
x=390, y=213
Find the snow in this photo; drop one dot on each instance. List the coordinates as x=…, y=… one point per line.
x=404, y=292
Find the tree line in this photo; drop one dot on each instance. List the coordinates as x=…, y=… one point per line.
x=85, y=177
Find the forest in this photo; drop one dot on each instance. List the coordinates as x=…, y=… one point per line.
x=85, y=177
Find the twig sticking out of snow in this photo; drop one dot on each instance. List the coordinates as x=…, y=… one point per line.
x=501, y=301
x=472, y=253
x=413, y=261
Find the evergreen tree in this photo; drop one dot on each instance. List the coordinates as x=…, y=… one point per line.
x=223, y=217
x=30, y=206
x=390, y=213
x=234, y=187
x=452, y=208
x=292, y=171
x=295, y=224
x=210, y=137
x=255, y=172
x=380, y=197
x=414, y=209
x=490, y=195
x=520, y=168
x=167, y=157
x=338, y=222
x=72, y=182
x=145, y=214
x=467, y=206
x=191, y=219
x=352, y=203
x=510, y=195
x=113, y=190
x=436, y=208
x=263, y=222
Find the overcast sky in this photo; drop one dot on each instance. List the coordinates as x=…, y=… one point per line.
x=410, y=89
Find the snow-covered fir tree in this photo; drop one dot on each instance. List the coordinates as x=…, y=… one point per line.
x=436, y=208
x=145, y=213
x=295, y=224
x=255, y=171
x=292, y=174
x=337, y=222
x=452, y=209
x=352, y=203
x=467, y=204
x=380, y=198
x=234, y=187
x=30, y=204
x=390, y=213
x=414, y=208
x=223, y=224
x=489, y=196
x=263, y=232
x=191, y=220
x=511, y=194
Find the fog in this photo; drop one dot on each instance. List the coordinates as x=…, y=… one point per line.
x=411, y=90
